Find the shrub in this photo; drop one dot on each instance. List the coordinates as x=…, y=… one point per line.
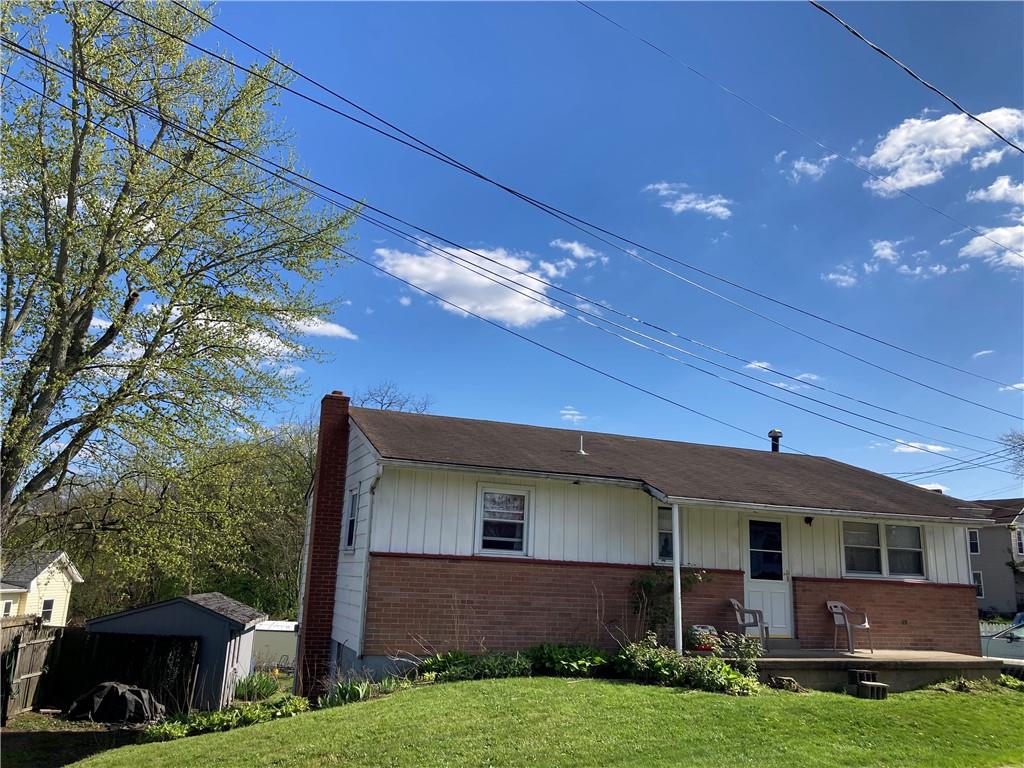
x=256, y=687
x=459, y=665
x=697, y=640
x=741, y=651
x=648, y=662
x=566, y=660
x=235, y=716
x=345, y=692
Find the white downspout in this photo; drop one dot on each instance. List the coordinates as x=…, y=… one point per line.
x=677, y=586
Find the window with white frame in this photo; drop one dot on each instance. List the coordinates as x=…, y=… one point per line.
x=973, y=541
x=979, y=583
x=504, y=515
x=663, y=535
x=8, y=607
x=890, y=550
x=47, y=612
x=349, y=527
x=1020, y=541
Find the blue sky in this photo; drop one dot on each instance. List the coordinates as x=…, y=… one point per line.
x=558, y=103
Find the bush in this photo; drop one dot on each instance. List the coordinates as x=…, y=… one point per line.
x=236, y=716
x=648, y=662
x=345, y=692
x=256, y=687
x=459, y=665
x=741, y=651
x=566, y=660
x=696, y=640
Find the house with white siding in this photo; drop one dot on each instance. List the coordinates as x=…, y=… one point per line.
x=38, y=584
x=428, y=533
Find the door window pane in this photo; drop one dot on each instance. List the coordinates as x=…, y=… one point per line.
x=765, y=565
x=765, y=535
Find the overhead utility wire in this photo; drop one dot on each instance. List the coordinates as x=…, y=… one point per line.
x=382, y=270
x=913, y=74
x=570, y=219
x=227, y=147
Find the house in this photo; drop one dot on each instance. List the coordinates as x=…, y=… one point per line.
x=38, y=584
x=997, y=557
x=430, y=533
x=274, y=645
x=225, y=628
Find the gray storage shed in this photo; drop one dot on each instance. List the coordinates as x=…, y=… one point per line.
x=224, y=626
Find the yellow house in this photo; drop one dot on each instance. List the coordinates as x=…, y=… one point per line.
x=38, y=584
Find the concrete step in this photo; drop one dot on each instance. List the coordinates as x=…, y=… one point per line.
x=783, y=644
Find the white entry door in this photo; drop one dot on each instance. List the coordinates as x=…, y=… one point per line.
x=766, y=577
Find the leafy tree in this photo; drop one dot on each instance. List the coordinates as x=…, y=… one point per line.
x=387, y=396
x=143, y=307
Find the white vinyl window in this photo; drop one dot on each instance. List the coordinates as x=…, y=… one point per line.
x=503, y=519
x=1020, y=541
x=663, y=535
x=47, y=612
x=8, y=607
x=348, y=529
x=974, y=541
x=979, y=584
x=891, y=550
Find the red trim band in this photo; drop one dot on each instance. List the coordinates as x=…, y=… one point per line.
x=535, y=561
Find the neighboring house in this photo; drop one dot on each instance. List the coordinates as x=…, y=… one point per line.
x=38, y=584
x=997, y=557
x=274, y=645
x=427, y=533
x=225, y=628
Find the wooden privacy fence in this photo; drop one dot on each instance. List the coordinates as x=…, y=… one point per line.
x=26, y=650
x=165, y=664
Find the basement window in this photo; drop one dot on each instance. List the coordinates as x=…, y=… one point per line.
x=47, y=612
x=979, y=584
x=892, y=550
x=973, y=542
x=504, y=513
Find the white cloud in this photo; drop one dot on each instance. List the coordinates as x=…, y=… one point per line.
x=99, y=323
x=885, y=250
x=1002, y=190
x=908, y=447
x=985, y=159
x=808, y=377
x=934, y=487
x=811, y=169
x=779, y=155
x=919, y=151
x=982, y=353
x=405, y=301
x=576, y=249
x=984, y=248
x=560, y=268
x=469, y=286
x=758, y=365
x=314, y=326
x=678, y=200
x=288, y=370
x=570, y=414
x=579, y=253
x=1019, y=387
x=841, y=276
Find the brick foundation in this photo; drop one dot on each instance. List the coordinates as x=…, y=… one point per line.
x=903, y=615
x=324, y=539
x=505, y=604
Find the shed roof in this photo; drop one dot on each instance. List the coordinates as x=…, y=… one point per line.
x=1003, y=511
x=677, y=469
x=20, y=570
x=227, y=608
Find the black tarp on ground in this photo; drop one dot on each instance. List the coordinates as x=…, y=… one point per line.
x=116, y=703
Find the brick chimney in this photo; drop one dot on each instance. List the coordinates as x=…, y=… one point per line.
x=322, y=543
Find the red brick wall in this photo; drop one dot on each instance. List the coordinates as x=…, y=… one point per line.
x=502, y=604
x=903, y=615
x=314, y=649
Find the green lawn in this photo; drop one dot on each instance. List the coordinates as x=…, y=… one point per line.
x=556, y=722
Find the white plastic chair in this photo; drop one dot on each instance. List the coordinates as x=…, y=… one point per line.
x=844, y=616
x=756, y=619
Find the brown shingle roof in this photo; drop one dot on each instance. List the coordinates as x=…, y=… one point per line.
x=677, y=469
x=1003, y=510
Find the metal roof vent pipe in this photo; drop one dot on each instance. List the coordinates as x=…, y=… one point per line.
x=775, y=435
x=581, y=452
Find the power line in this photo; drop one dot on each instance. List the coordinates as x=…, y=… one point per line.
x=942, y=464
x=378, y=268
x=226, y=146
x=913, y=74
x=582, y=224
x=218, y=144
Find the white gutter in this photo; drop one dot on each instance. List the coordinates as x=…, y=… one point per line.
x=817, y=511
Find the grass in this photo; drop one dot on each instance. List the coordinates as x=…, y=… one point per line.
x=558, y=722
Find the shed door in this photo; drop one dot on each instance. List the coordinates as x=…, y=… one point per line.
x=766, y=580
